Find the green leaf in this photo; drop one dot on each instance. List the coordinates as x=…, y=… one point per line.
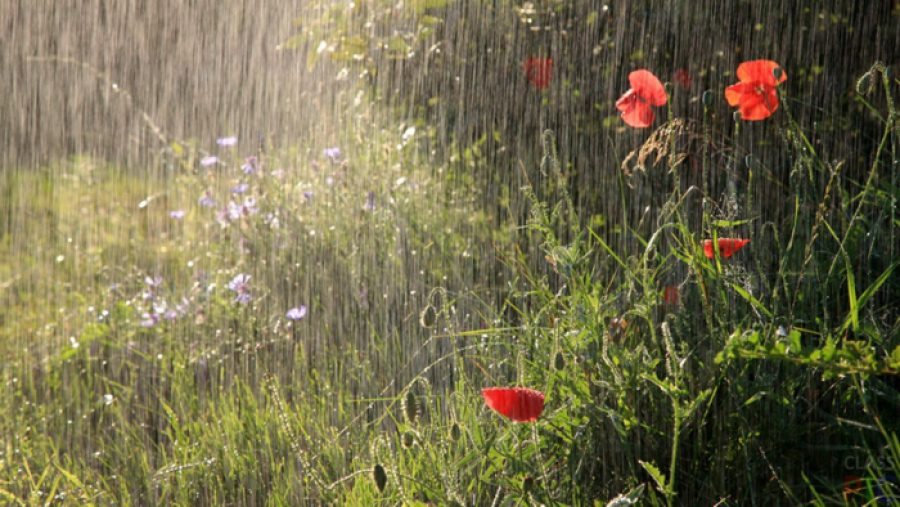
x=731, y=223
x=869, y=292
x=753, y=301
x=655, y=473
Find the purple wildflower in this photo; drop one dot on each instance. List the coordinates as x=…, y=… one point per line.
x=239, y=188
x=249, y=206
x=149, y=319
x=170, y=315
x=177, y=214
x=250, y=165
x=183, y=308
x=308, y=194
x=224, y=216
x=207, y=200
x=226, y=141
x=234, y=211
x=272, y=221
x=208, y=161
x=240, y=284
x=370, y=202
x=297, y=313
x=333, y=153
x=152, y=284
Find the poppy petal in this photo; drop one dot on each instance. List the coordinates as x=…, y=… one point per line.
x=640, y=115
x=517, y=403
x=648, y=87
x=735, y=92
x=760, y=71
x=759, y=106
x=626, y=101
x=539, y=71
x=727, y=247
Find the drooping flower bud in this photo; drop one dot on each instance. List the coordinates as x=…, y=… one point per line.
x=428, y=317
x=410, y=407
x=559, y=361
x=864, y=84
x=777, y=73
x=380, y=477
x=455, y=432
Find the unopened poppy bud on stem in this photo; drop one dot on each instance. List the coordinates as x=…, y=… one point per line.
x=864, y=85
x=428, y=317
x=455, y=432
x=708, y=98
x=379, y=476
x=559, y=361
x=527, y=484
x=410, y=407
x=777, y=73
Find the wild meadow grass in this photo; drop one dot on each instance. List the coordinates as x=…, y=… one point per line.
x=313, y=326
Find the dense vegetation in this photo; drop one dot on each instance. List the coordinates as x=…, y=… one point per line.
x=251, y=323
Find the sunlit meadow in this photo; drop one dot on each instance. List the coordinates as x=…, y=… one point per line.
x=400, y=305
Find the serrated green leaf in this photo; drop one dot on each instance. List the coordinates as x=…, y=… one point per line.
x=655, y=473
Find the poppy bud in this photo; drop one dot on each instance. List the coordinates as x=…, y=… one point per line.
x=410, y=407
x=409, y=439
x=428, y=317
x=380, y=477
x=864, y=85
x=559, y=361
x=708, y=98
x=455, y=432
x=737, y=116
x=889, y=71
x=777, y=73
x=527, y=484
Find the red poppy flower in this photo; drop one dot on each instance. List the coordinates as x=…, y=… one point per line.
x=727, y=247
x=755, y=94
x=683, y=78
x=517, y=403
x=538, y=71
x=670, y=295
x=646, y=91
